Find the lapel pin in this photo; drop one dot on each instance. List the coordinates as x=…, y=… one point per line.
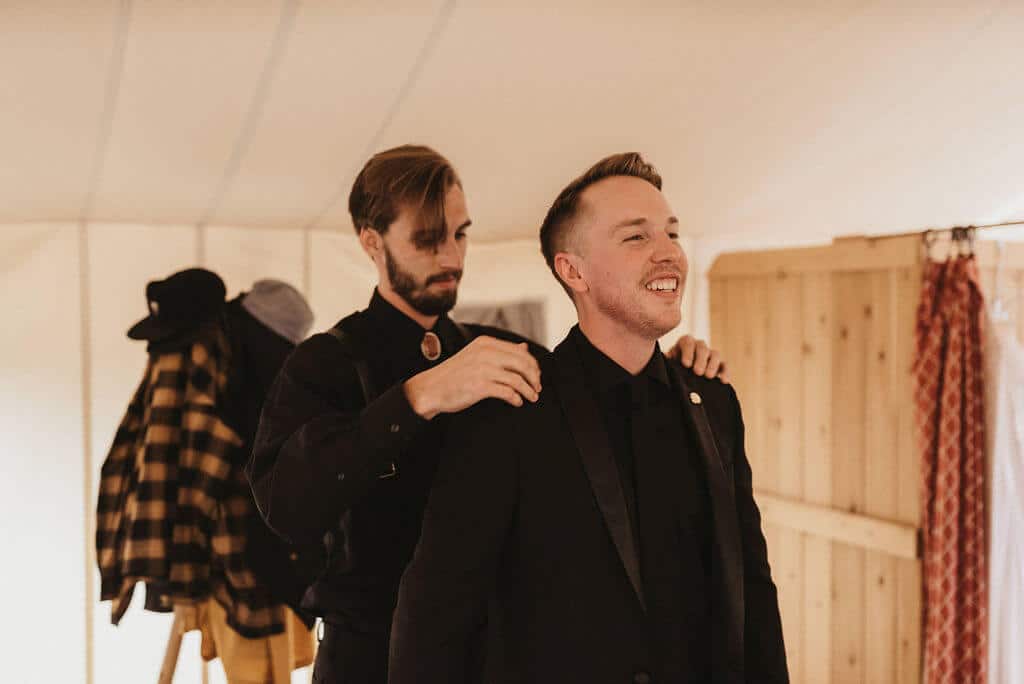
x=694, y=398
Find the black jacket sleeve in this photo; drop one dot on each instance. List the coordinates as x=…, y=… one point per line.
x=318, y=448
x=764, y=649
x=444, y=591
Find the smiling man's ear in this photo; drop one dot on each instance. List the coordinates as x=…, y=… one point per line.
x=568, y=267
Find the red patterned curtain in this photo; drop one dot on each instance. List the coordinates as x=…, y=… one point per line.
x=949, y=375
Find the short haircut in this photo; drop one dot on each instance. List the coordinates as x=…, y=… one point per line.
x=411, y=175
x=556, y=231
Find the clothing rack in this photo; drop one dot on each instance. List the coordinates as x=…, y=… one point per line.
x=961, y=236
x=170, y=663
x=953, y=230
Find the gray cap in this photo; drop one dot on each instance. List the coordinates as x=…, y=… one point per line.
x=280, y=307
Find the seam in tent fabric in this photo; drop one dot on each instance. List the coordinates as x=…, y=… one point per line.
x=285, y=24
x=441, y=21
x=110, y=97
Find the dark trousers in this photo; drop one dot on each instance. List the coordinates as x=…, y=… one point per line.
x=347, y=657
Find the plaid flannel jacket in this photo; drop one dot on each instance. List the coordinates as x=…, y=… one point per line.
x=173, y=498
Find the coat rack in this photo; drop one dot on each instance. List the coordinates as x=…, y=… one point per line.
x=170, y=663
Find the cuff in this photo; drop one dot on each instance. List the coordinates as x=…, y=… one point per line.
x=386, y=427
x=389, y=422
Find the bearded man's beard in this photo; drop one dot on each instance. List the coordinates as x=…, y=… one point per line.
x=405, y=286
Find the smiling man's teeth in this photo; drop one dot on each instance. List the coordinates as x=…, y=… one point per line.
x=665, y=284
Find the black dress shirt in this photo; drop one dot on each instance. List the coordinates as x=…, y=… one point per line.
x=623, y=399
x=668, y=502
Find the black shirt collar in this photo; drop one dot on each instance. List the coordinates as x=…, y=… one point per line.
x=399, y=332
x=606, y=375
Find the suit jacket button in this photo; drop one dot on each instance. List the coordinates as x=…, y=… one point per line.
x=641, y=678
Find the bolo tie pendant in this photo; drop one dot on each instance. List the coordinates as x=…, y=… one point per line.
x=431, y=346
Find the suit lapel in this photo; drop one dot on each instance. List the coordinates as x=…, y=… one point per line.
x=586, y=426
x=729, y=561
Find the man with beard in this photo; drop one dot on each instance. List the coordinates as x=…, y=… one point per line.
x=350, y=433
x=612, y=521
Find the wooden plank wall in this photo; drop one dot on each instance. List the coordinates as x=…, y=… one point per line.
x=821, y=361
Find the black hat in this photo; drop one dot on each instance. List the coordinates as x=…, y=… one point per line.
x=181, y=302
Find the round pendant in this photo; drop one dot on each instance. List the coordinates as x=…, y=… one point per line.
x=431, y=347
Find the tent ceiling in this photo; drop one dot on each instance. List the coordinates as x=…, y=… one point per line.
x=796, y=118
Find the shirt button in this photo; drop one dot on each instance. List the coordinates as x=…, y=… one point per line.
x=395, y=427
x=341, y=476
x=641, y=678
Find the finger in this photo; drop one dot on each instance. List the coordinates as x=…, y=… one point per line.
x=509, y=356
x=485, y=341
x=673, y=352
x=686, y=345
x=537, y=383
x=489, y=344
x=500, y=345
x=723, y=375
x=700, y=358
x=519, y=384
x=505, y=393
x=520, y=361
x=521, y=349
x=713, y=364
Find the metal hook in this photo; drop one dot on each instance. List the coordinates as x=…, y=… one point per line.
x=928, y=238
x=955, y=242
x=962, y=242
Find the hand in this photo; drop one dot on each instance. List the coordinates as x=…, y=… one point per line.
x=696, y=354
x=485, y=368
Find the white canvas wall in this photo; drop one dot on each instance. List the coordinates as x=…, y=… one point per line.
x=42, y=519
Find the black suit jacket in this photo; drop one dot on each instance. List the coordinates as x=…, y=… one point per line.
x=528, y=508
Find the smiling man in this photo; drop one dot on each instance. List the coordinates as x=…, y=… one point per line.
x=612, y=521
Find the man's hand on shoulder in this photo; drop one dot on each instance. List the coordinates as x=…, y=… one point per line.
x=485, y=368
x=699, y=357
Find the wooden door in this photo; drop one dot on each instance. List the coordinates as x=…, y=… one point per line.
x=820, y=343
